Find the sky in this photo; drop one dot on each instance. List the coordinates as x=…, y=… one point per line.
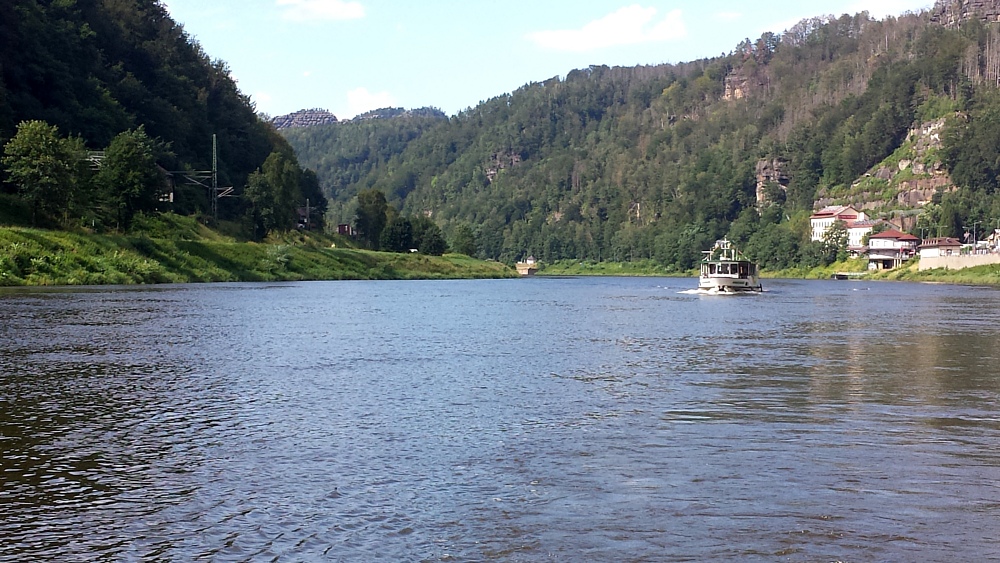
x=352, y=56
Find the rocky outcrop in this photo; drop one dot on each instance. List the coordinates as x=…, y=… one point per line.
x=315, y=117
x=501, y=161
x=908, y=180
x=736, y=87
x=770, y=172
x=304, y=118
x=951, y=13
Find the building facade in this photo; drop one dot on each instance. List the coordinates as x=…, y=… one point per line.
x=822, y=220
x=943, y=246
x=891, y=249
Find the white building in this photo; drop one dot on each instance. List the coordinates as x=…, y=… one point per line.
x=823, y=219
x=890, y=249
x=944, y=246
x=856, y=233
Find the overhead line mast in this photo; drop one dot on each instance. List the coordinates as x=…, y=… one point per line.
x=215, y=193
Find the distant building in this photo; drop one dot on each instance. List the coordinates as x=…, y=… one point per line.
x=823, y=219
x=856, y=233
x=890, y=249
x=528, y=268
x=346, y=230
x=943, y=246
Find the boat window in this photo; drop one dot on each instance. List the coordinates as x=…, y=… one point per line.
x=711, y=269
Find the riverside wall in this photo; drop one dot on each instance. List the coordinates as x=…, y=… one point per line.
x=958, y=262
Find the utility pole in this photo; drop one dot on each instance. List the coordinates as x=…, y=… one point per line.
x=208, y=179
x=215, y=177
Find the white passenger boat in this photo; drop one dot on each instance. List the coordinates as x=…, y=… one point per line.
x=726, y=270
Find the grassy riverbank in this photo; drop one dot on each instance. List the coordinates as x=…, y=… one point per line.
x=188, y=252
x=591, y=268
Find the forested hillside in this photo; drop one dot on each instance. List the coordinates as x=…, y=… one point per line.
x=123, y=77
x=658, y=162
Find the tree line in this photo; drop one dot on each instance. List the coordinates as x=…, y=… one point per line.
x=381, y=227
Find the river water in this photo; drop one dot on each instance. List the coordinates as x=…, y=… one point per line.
x=520, y=420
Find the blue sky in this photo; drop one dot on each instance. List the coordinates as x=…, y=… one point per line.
x=350, y=56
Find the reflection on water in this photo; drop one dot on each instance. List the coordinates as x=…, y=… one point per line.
x=523, y=420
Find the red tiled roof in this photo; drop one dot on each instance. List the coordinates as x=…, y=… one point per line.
x=939, y=242
x=894, y=234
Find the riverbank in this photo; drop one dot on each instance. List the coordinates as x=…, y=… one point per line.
x=642, y=268
x=35, y=257
x=980, y=275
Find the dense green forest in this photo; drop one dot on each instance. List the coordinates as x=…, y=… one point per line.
x=83, y=76
x=656, y=162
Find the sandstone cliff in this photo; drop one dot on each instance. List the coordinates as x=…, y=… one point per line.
x=304, y=118
x=951, y=13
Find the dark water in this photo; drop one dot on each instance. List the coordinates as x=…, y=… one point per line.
x=563, y=420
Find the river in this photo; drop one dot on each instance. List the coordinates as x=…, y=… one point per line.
x=603, y=419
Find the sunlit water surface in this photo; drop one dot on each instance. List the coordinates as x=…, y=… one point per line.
x=525, y=420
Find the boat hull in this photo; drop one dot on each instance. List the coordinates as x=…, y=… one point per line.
x=730, y=285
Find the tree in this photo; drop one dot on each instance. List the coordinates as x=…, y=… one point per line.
x=397, y=235
x=45, y=167
x=427, y=236
x=284, y=176
x=129, y=175
x=463, y=240
x=370, y=219
x=835, y=242
x=432, y=241
x=262, y=214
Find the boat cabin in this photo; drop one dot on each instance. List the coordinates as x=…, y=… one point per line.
x=739, y=269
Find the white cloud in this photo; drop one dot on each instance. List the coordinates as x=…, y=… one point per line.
x=307, y=73
x=262, y=97
x=361, y=100
x=311, y=10
x=729, y=15
x=627, y=26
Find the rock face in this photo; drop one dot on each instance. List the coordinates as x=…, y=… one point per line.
x=951, y=13
x=736, y=87
x=304, y=118
x=907, y=181
x=770, y=172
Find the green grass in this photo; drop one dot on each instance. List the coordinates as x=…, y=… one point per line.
x=852, y=265
x=591, y=268
x=979, y=275
x=37, y=257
